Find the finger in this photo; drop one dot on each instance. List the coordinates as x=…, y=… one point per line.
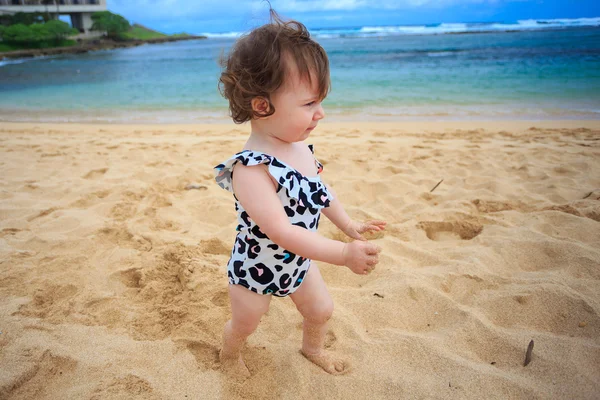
x=377, y=222
x=372, y=260
x=372, y=250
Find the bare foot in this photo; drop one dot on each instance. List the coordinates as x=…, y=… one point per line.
x=234, y=367
x=329, y=362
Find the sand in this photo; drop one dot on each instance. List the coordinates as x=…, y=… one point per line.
x=113, y=281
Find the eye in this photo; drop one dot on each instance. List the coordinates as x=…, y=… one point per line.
x=310, y=104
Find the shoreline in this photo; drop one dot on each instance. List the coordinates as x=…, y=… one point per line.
x=221, y=119
x=90, y=45
x=398, y=126
x=218, y=115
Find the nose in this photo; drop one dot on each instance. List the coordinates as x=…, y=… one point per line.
x=320, y=113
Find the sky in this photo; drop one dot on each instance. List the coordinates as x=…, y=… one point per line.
x=216, y=16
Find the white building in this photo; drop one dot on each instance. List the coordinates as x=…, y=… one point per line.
x=80, y=11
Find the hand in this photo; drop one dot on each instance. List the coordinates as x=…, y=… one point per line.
x=355, y=229
x=361, y=257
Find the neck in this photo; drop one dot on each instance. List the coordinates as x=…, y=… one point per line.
x=263, y=137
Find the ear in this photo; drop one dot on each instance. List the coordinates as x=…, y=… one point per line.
x=260, y=105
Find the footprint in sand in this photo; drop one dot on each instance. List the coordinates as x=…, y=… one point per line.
x=131, y=277
x=128, y=386
x=50, y=371
x=543, y=308
x=442, y=231
x=121, y=236
x=220, y=299
x=206, y=354
x=95, y=173
x=51, y=301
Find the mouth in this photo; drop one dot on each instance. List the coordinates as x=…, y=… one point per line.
x=311, y=128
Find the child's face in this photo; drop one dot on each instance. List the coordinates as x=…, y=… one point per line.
x=297, y=109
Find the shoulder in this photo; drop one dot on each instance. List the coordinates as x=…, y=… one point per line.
x=249, y=176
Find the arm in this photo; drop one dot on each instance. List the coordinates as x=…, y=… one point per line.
x=256, y=192
x=336, y=214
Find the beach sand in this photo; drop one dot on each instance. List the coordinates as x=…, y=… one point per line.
x=113, y=278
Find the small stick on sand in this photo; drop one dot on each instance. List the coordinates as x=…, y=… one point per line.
x=436, y=186
x=589, y=194
x=195, y=186
x=528, y=354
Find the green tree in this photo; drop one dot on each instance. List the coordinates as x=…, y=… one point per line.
x=51, y=33
x=57, y=31
x=19, y=34
x=114, y=24
x=29, y=18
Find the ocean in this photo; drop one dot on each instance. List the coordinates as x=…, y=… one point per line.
x=529, y=69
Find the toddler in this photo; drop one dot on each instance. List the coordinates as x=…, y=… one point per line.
x=276, y=77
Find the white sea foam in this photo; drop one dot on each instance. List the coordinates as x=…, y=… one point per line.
x=438, y=29
x=7, y=62
x=446, y=28
x=23, y=60
x=223, y=35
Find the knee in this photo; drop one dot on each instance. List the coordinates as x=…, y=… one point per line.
x=244, y=327
x=319, y=313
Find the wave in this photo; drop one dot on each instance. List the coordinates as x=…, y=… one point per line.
x=7, y=62
x=224, y=35
x=453, y=28
x=436, y=29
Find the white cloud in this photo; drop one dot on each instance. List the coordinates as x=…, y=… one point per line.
x=350, y=5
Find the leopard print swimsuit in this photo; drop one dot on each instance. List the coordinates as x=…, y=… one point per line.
x=256, y=262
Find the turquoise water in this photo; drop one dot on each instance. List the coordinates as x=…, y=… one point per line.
x=494, y=74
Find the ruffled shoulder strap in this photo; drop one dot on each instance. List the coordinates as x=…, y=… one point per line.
x=318, y=164
x=309, y=191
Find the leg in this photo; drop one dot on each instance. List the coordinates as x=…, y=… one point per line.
x=316, y=306
x=247, y=308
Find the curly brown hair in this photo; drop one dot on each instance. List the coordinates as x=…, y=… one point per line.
x=257, y=65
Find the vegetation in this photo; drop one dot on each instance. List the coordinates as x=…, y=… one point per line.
x=113, y=24
x=39, y=31
x=140, y=32
x=5, y=47
x=24, y=18
x=37, y=35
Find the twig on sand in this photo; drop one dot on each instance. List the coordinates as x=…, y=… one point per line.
x=589, y=194
x=436, y=186
x=195, y=186
x=528, y=354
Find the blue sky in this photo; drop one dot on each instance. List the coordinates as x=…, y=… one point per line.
x=197, y=16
